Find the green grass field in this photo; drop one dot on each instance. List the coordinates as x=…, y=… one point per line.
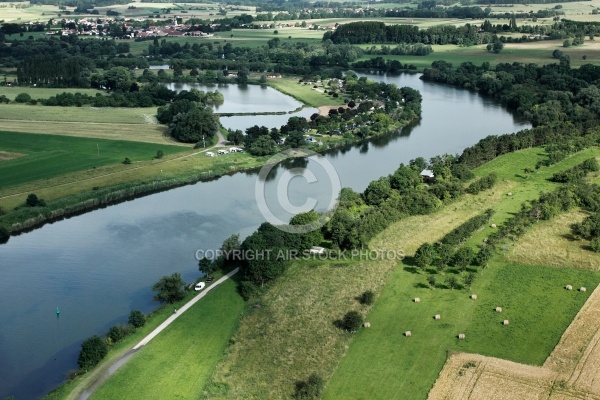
x=382, y=364
x=304, y=93
x=178, y=362
x=41, y=93
x=48, y=156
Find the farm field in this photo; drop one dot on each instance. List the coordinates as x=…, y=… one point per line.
x=42, y=93
x=190, y=347
x=304, y=93
x=48, y=156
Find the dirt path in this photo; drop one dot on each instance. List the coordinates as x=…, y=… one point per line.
x=112, y=368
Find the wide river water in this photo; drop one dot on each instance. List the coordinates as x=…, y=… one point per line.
x=99, y=266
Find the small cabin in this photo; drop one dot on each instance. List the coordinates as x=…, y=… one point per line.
x=427, y=175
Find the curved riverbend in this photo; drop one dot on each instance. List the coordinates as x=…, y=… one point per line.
x=99, y=266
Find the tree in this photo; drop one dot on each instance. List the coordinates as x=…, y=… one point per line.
x=425, y=255
x=23, y=98
x=463, y=257
x=126, y=161
x=352, y=321
x=137, y=318
x=93, y=350
x=595, y=244
x=207, y=266
x=469, y=279
x=242, y=76
x=431, y=280
x=263, y=146
x=311, y=389
x=33, y=201
x=4, y=235
x=117, y=78
x=367, y=297
x=451, y=281
x=308, y=224
x=194, y=125
x=235, y=137
x=169, y=289
x=498, y=46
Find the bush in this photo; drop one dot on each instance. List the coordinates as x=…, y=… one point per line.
x=137, y=318
x=126, y=161
x=595, y=244
x=248, y=290
x=23, y=98
x=4, y=235
x=367, y=297
x=352, y=321
x=33, y=201
x=93, y=350
x=487, y=182
x=309, y=389
x=118, y=332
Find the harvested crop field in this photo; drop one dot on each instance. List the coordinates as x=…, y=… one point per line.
x=570, y=372
x=6, y=155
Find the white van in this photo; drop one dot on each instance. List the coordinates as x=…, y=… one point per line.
x=221, y=152
x=235, y=150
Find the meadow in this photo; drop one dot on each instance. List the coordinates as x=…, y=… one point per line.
x=42, y=93
x=304, y=93
x=48, y=156
x=178, y=362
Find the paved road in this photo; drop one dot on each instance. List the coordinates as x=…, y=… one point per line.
x=117, y=364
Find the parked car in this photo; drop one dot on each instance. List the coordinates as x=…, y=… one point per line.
x=221, y=152
x=199, y=286
x=235, y=150
x=210, y=154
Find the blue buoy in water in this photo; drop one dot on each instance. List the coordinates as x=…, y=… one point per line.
x=57, y=310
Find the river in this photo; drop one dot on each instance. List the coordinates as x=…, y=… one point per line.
x=99, y=266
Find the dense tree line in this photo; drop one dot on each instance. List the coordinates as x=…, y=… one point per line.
x=461, y=233
x=483, y=183
x=589, y=229
x=577, y=173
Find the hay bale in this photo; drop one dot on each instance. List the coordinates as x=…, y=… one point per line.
x=582, y=289
x=509, y=194
x=461, y=336
x=408, y=333
x=569, y=287
x=473, y=297
x=437, y=317
x=367, y=324
x=505, y=322
x=493, y=225
x=498, y=309
x=417, y=300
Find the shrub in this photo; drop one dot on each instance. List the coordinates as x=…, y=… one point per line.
x=248, y=290
x=367, y=297
x=33, y=201
x=4, y=234
x=93, y=350
x=159, y=154
x=352, y=321
x=137, y=318
x=595, y=244
x=126, y=161
x=23, y=98
x=309, y=389
x=118, y=332
x=486, y=182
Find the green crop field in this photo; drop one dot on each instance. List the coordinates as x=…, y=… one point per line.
x=178, y=362
x=47, y=156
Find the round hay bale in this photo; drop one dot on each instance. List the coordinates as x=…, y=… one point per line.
x=509, y=194
x=498, y=309
x=582, y=289
x=417, y=300
x=461, y=336
x=569, y=287
x=367, y=324
x=473, y=297
x=485, y=240
x=408, y=333
x=493, y=225
x=437, y=317
x=505, y=322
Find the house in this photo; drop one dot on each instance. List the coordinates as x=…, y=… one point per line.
x=210, y=154
x=427, y=175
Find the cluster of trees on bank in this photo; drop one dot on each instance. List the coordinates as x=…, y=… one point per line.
x=95, y=348
x=190, y=118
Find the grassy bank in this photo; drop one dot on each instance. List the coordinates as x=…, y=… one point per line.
x=190, y=347
x=305, y=93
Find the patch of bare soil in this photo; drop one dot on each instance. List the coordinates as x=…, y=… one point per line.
x=5, y=155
